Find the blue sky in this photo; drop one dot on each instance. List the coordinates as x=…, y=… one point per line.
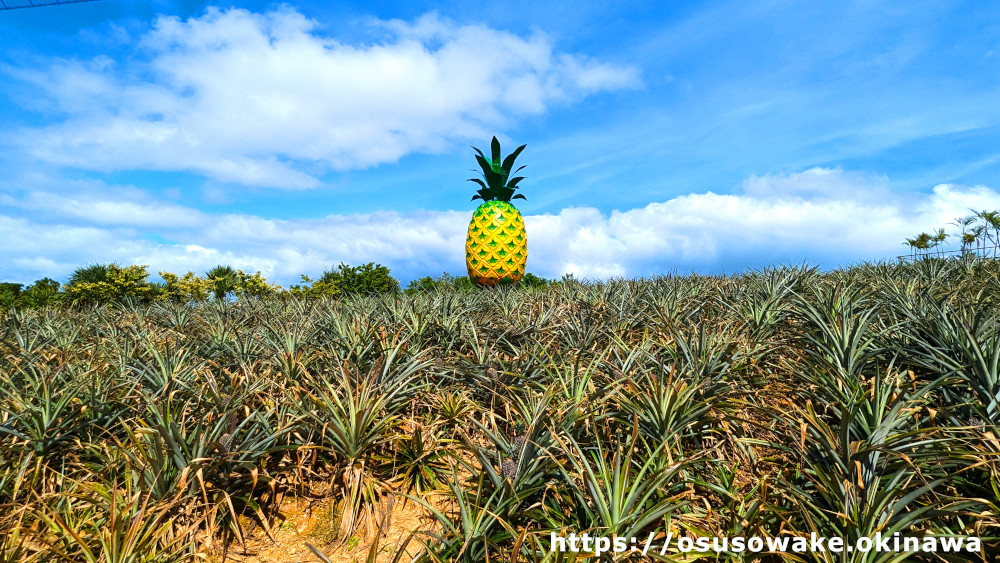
x=695, y=136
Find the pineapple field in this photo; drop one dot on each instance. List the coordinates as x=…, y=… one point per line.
x=471, y=426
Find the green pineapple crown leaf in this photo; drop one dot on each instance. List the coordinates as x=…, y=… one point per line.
x=496, y=173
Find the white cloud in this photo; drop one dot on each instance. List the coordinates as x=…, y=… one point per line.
x=250, y=98
x=819, y=184
x=783, y=218
x=97, y=209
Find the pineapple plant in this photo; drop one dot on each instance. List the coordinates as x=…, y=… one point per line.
x=496, y=248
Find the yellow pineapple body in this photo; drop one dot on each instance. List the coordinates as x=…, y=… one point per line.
x=496, y=249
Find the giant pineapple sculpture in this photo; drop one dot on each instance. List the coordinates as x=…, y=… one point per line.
x=496, y=249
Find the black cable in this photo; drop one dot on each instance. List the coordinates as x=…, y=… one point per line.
x=33, y=4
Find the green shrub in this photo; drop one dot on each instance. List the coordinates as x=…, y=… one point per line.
x=444, y=281
x=9, y=293
x=329, y=288
x=255, y=285
x=12, y=288
x=108, y=283
x=41, y=293
x=463, y=283
x=531, y=281
x=425, y=283
x=359, y=280
x=185, y=289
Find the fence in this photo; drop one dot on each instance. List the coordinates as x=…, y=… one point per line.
x=981, y=252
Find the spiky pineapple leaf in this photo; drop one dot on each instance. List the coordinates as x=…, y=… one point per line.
x=513, y=183
x=519, y=196
x=495, y=146
x=496, y=173
x=507, y=164
x=509, y=161
x=492, y=178
x=484, y=193
x=484, y=164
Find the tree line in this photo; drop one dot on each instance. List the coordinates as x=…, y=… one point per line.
x=112, y=283
x=979, y=234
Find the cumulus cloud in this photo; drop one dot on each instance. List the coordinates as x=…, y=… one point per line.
x=256, y=98
x=820, y=215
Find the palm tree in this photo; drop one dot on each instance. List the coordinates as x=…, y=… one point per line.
x=95, y=273
x=991, y=220
x=921, y=242
x=967, y=240
x=224, y=280
x=937, y=239
x=977, y=234
x=964, y=223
